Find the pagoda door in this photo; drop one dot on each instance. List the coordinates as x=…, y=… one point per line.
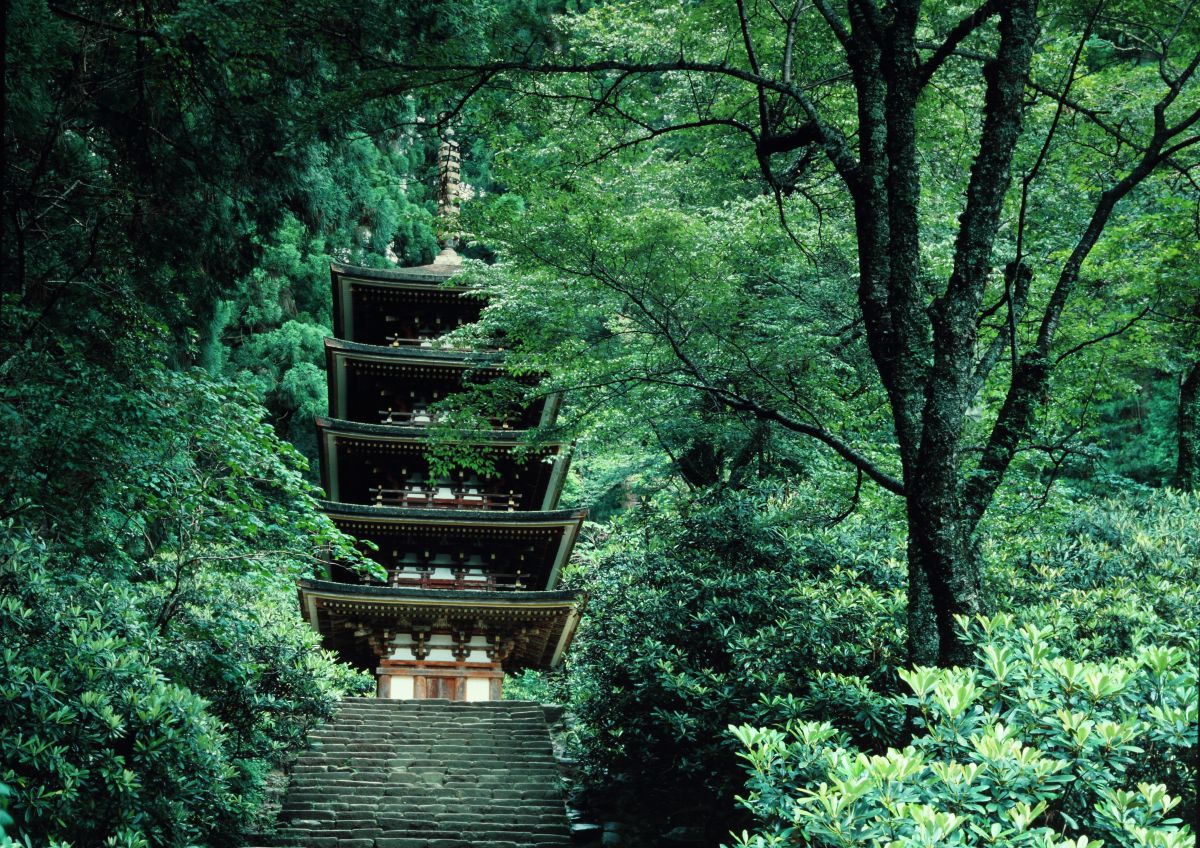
x=450, y=688
x=470, y=682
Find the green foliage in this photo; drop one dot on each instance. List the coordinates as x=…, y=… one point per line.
x=733, y=608
x=1102, y=577
x=198, y=167
x=529, y=685
x=370, y=210
x=644, y=262
x=154, y=668
x=719, y=610
x=648, y=287
x=6, y=820
x=1081, y=702
x=1139, y=432
x=1027, y=748
x=97, y=742
x=116, y=728
x=160, y=463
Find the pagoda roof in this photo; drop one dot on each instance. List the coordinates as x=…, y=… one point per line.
x=420, y=356
x=446, y=265
x=399, y=432
x=366, y=520
x=413, y=289
x=536, y=518
x=345, y=360
x=548, y=477
x=549, y=617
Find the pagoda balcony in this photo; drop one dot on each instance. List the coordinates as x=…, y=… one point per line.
x=425, y=418
x=436, y=343
x=460, y=581
x=443, y=497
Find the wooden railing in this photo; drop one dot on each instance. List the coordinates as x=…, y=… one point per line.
x=415, y=417
x=485, y=583
x=424, y=418
x=445, y=498
x=436, y=343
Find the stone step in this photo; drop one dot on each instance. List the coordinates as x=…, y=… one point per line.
x=460, y=788
x=480, y=830
x=426, y=774
x=419, y=838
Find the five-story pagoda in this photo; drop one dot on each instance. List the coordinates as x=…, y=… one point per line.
x=472, y=561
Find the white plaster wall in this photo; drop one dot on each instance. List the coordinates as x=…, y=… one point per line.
x=479, y=689
x=402, y=686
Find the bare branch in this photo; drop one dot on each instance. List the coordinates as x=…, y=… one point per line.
x=752, y=58
x=832, y=141
x=1028, y=179
x=789, y=43
x=854, y=500
x=953, y=39
x=836, y=24
x=1016, y=290
x=1033, y=371
x=60, y=12
x=1104, y=336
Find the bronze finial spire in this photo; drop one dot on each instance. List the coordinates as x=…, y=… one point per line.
x=449, y=179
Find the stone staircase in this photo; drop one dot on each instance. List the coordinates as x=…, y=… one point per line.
x=426, y=774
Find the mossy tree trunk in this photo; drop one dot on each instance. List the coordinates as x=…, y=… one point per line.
x=1187, y=469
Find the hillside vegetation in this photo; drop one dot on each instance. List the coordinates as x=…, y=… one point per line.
x=879, y=330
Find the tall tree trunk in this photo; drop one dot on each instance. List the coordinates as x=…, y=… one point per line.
x=923, y=638
x=940, y=525
x=1187, y=470
x=940, y=548
x=8, y=272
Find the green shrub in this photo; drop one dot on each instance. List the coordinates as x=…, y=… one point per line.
x=6, y=821
x=1110, y=575
x=115, y=730
x=1028, y=748
x=710, y=611
x=530, y=685
x=730, y=608
x=153, y=666
x=98, y=744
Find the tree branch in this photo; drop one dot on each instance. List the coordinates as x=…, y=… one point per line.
x=958, y=33
x=840, y=447
x=836, y=24
x=1104, y=336
x=834, y=144
x=1033, y=371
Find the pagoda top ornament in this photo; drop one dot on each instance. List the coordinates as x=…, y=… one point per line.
x=449, y=195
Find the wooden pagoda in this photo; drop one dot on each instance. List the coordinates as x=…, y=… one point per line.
x=472, y=561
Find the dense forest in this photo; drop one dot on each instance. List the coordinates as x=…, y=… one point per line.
x=878, y=323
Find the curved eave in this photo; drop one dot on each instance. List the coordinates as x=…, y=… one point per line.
x=381, y=519
x=332, y=431
x=557, y=612
x=482, y=518
x=420, y=435
x=430, y=357
x=425, y=281
x=433, y=273
x=390, y=594
x=453, y=367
